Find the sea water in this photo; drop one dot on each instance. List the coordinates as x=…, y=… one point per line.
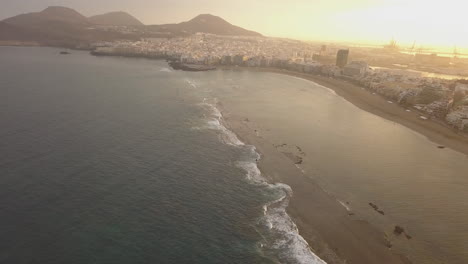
x=114, y=160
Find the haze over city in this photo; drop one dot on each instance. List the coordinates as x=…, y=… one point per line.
x=429, y=23
x=213, y=131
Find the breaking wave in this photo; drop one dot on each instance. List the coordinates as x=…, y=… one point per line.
x=165, y=70
x=346, y=206
x=191, y=83
x=319, y=85
x=282, y=239
x=215, y=121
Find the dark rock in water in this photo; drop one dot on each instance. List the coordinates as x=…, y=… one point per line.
x=376, y=208
x=64, y=53
x=388, y=244
x=176, y=65
x=300, y=151
x=398, y=230
x=299, y=160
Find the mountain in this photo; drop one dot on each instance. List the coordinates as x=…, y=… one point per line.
x=56, y=26
x=205, y=23
x=53, y=14
x=13, y=33
x=115, y=19
x=62, y=26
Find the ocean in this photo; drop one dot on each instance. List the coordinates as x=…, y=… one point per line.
x=117, y=160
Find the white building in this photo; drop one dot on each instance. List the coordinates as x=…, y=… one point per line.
x=355, y=68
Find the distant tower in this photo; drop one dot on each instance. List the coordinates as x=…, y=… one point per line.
x=455, y=52
x=413, y=47
x=323, y=50
x=342, y=58
x=420, y=49
x=392, y=46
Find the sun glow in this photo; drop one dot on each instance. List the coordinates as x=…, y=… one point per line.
x=429, y=23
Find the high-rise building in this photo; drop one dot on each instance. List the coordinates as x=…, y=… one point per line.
x=238, y=60
x=226, y=60
x=342, y=58
x=323, y=50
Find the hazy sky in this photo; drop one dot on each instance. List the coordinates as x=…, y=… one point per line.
x=429, y=22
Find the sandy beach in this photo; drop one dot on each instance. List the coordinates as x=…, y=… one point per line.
x=336, y=234
x=435, y=130
x=333, y=234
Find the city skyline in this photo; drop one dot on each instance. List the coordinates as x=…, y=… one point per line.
x=363, y=21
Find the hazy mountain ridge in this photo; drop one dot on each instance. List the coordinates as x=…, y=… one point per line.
x=206, y=23
x=64, y=26
x=118, y=18
x=56, y=26
x=54, y=13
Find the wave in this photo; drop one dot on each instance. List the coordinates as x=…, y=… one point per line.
x=283, y=238
x=345, y=205
x=191, y=83
x=215, y=122
x=319, y=85
x=328, y=89
x=165, y=70
x=292, y=246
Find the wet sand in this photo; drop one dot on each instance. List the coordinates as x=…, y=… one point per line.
x=334, y=233
x=433, y=129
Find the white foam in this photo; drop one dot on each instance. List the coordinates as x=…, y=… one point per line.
x=191, y=83
x=345, y=206
x=291, y=246
x=319, y=85
x=165, y=70
x=253, y=173
x=301, y=169
x=216, y=122
x=328, y=89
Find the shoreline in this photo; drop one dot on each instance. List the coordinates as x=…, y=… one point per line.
x=325, y=224
x=332, y=233
x=435, y=130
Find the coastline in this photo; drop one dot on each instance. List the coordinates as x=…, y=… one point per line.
x=331, y=232
x=326, y=225
x=435, y=130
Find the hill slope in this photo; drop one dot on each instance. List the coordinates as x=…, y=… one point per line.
x=61, y=26
x=115, y=19
x=206, y=23
x=55, y=14
x=58, y=26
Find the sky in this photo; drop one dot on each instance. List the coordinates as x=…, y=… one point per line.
x=428, y=22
